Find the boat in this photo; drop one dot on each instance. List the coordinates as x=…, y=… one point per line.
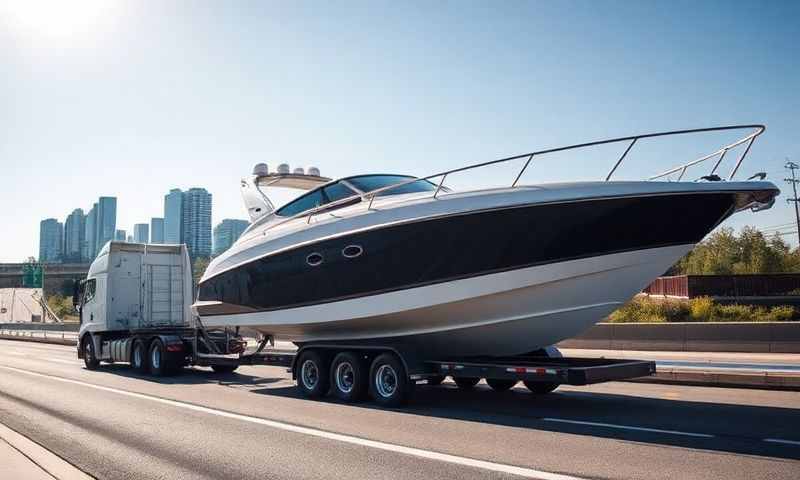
x=399, y=260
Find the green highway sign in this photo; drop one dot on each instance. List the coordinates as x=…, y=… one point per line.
x=32, y=275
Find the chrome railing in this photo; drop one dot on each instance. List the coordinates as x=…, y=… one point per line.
x=719, y=154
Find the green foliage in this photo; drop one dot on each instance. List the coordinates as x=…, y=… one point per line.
x=62, y=306
x=199, y=268
x=702, y=309
x=723, y=253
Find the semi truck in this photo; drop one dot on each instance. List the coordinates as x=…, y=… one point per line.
x=135, y=307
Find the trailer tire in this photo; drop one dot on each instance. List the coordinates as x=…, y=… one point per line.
x=89, y=357
x=224, y=368
x=466, y=383
x=389, y=385
x=139, y=356
x=436, y=380
x=500, y=385
x=349, y=377
x=160, y=360
x=540, y=388
x=312, y=374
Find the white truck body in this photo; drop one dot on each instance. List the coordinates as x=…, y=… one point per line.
x=133, y=286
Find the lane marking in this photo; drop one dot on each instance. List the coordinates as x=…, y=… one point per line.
x=390, y=447
x=780, y=440
x=628, y=427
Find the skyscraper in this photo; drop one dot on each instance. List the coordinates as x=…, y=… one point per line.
x=74, y=236
x=120, y=236
x=90, y=237
x=51, y=238
x=197, y=222
x=141, y=233
x=173, y=216
x=227, y=232
x=106, y=222
x=156, y=230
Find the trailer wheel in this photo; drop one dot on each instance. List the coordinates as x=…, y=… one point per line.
x=540, y=388
x=89, y=357
x=139, y=356
x=160, y=361
x=349, y=377
x=224, y=368
x=389, y=385
x=436, y=380
x=500, y=385
x=312, y=374
x=466, y=383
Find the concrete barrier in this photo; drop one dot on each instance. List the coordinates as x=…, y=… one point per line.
x=767, y=337
x=50, y=327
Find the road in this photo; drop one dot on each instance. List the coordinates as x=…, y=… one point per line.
x=115, y=424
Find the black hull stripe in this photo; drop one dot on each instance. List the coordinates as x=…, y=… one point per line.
x=412, y=255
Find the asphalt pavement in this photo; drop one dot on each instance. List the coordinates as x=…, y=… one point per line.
x=115, y=424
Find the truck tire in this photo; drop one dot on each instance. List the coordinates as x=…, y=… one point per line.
x=540, y=388
x=160, y=360
x=349, y=377
x=89, y=357
x=312, y=374
x=139, y=356
x=389, y=385
x=500, y=385
x=466, y=383
x=224, y=368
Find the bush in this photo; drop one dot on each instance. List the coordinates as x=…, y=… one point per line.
x=702, y=309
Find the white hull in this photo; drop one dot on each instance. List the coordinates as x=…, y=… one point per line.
x=497, y=314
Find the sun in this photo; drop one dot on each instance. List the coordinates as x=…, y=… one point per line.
x=56, y=19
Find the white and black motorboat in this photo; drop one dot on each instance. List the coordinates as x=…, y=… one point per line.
x=392, y=259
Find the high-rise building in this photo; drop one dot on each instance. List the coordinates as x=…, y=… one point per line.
x=227, y=232
x=141, y=233
x=120, y=236
x=173, y=216
x=51, y=238
x=90, y=237
x=129, y=239
x=106, y=221
x=197, y=222
x=74, y=236
x=156, y=230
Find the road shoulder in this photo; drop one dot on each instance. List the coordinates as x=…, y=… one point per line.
x=23, y=458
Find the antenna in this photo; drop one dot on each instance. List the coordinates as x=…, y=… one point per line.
x=793, y=166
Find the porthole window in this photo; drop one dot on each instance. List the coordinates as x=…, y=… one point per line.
x=352, y=251
x=314, y=259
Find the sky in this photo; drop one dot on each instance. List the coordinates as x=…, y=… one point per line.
x=131, y=99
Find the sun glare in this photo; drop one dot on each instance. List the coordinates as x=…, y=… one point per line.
x=57, y=19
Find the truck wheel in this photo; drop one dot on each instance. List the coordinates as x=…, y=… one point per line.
x=389, y=384
x=161, y=362
x=224, y=368
x=436, y=380
x=500, y=385
x=89, y=357
x=312, y=374
x=349, y=378
x=466, y=383
x=540, y=387
x=139, y=356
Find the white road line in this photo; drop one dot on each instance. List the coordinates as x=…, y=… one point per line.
x=390, y=447
x=780, y=440
x=628, y=427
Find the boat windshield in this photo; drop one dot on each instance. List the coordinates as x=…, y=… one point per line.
x=368, y=183
x=321, y=196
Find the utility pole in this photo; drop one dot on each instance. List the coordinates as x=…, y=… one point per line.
x=793, y=166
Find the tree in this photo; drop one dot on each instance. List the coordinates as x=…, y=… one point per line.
x=723, y=253
x=199, y=268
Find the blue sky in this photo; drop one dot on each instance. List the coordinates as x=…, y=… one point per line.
x=133, y=98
